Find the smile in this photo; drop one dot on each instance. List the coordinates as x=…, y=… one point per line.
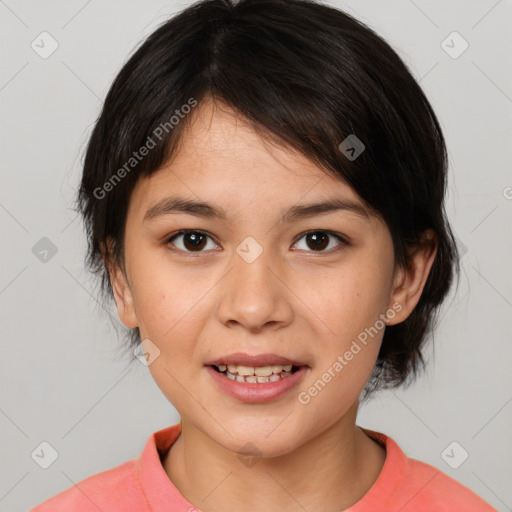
x=255, y=375
x=254, y=388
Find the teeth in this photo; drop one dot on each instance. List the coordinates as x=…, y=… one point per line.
x=255, y=375
x=254, y=379
x=259, y=371
x=245, y=370
x=263, y=371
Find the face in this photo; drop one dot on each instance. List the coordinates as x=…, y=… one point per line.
x=303, y=287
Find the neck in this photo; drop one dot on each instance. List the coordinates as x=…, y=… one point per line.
x=330, y=472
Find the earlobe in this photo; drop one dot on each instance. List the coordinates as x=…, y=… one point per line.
x=409, y=282
x=122, y=293
x=124, y=299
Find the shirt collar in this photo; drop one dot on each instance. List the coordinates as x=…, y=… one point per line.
x=390, y=475
x=160, y=492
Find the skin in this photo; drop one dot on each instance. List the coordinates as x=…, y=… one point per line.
x=293, y=300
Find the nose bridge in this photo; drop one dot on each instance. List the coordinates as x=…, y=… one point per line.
x=253, y=294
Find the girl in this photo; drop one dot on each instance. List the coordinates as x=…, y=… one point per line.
x=263, y=195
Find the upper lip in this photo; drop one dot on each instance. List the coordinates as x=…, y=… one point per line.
x=243, y=359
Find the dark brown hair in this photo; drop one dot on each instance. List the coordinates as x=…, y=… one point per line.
x=307, y=75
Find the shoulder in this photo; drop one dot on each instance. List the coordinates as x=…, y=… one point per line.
x=105, y=491
x=427, y=486
x=410, y=485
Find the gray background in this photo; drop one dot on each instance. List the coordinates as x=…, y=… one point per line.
x=63, y=378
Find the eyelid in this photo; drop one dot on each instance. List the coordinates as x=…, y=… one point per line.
x=341, y=238
x=170, y=238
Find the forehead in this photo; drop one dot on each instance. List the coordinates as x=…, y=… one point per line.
x=217, y=135
x=221, y=156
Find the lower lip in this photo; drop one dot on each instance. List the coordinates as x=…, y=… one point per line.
x=257, y=393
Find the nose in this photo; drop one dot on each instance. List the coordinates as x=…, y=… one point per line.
x=255, y=294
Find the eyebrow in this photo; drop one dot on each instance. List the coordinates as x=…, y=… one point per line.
x=174, y=205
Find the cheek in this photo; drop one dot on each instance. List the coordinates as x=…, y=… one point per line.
x=352, y=307
x=333, y=389
x=167, y=298
x=347, y=302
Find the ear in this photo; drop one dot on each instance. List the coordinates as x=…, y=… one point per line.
x=121, y=288
x=408, y=283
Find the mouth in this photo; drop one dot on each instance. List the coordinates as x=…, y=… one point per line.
x=258, y=384
x=256, y=375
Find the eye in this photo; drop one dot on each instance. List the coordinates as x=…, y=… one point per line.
x=193, y=240
x=319, y=240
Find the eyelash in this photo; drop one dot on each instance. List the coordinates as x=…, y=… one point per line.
x=339, y=237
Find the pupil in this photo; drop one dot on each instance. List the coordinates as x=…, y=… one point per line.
x=196, y=239
x=320, y=240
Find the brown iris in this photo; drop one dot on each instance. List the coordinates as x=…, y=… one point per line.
x=194, y=240
x=319, y=240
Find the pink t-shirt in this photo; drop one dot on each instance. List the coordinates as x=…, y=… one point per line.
x=141, y=485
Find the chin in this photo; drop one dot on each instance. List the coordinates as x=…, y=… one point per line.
x=258, y=441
